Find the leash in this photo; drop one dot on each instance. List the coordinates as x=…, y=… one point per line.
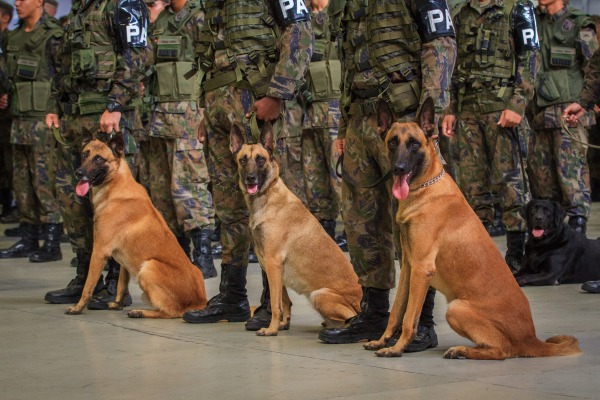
x=255, y=130
x=515, y=133
x=572, y=137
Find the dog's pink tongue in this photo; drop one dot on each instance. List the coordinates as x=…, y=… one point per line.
x=537, y=233
x=400, y=188
x=252, y=189
x=82, y=188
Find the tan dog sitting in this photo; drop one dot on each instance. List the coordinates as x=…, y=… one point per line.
x=128, y=228
x=445, y=245
x=290, y=243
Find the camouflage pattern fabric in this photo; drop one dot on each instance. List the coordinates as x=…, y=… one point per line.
x=77, y=211
x=32, y=183
x=492, y=161
x=590, y=94
x=289, y=150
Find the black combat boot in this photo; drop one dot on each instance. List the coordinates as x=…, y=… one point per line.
x=217, y=251
x=184, y=242
x=578, y=224
x=50, y=250
x=342, y=242
x=26, y=246
x=13, y=232
x=231, y=304
x=262, y=315
x=252, y=257
x=72, y=293
x=368, y=324
x=515, y=243
x=203, y=258
x=108, y=292
x=10, y=213
x=329, y=226
x=426, y=337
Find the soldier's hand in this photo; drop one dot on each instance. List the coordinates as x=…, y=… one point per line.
x=109, y=121
x=339, y=145
x=201, y=131
x=318, y=5
x=509, y=119
x=448, y=125
x=52, y=120
x=4, y=102
x=267, y=109
x=572, y=113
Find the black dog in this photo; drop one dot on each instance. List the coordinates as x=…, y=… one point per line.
x=554, y=253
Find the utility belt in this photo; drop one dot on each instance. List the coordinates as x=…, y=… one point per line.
x=246, y=77
x=403, y=97
x=486, y=102
x=91, y=103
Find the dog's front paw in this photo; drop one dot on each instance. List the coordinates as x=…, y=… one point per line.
x=375, y=344
x=135, y=314
x=72, y=311
x=389, y=352
x=457, y=353
x=113, y=305
x=266, y=332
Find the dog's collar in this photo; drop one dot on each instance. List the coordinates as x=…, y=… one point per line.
x=433, y=180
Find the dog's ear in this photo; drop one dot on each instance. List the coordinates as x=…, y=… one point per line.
x=237, y=138
x=86, y=140
x=267, y=137
x=117, y=144
x=559, y=213
x=426, y=117
x=385, y=118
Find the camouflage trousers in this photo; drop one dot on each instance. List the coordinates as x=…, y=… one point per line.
x=491, y=167
x=32, y=178
x=368, y=207
x=558, y=169
x=77, y=211
x=226, y=106
x=6, y=153
x=178, y=182
x=307, y=160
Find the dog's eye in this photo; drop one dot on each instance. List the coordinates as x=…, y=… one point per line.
x=393, y=143
x=243, y=160
x=260, y=160
x=413, y=145
x=85, y=154
x=98, y=160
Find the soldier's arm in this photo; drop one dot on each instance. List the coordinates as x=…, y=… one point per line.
x=590, y=93
x=54, y=57
x=438, y=53
x=295, y=49
x=587, y=41
x=526, y=47
x=130, y=35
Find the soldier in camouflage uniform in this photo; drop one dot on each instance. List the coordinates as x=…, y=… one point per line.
x=395, y=54
x=491, y=86
x=253, y=56
x=33, y=57
x=590, y=93
x=103, y=58
x=557, y=166
x=9, y=211
x=178, y=173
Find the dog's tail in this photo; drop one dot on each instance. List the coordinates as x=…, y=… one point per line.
x=561, y=345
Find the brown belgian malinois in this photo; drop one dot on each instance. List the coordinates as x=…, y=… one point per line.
x=128, y=228
x=290, y=243
x=445, y=245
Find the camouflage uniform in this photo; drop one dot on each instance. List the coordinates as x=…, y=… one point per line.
x=392, y=56
x=95, y=74
x=557, y=166
x=178, y=173
x=243, y=59
x=289, y=149
x=590, y=93
x=492, y=75
x=6, y=169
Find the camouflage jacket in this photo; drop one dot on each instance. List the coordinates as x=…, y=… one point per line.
x=100, y=69
x=590, y=94
x=491, y=72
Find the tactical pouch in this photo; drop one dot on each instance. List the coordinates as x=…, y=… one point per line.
x=91, y=103
x=562, y=57
x=325, y=79
x=27, y=68
x=23, y=97
x=404, y=96
x=168, y=48
x=547, y=88
x=93, y=63
x=41, y=95
x=172, y=83
x=486, y=46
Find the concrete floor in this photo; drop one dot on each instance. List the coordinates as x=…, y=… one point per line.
x=45, y=354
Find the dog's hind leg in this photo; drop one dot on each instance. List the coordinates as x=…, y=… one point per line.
x=165, y=300
x=286, y=316
x=122, y=286
x=97, y=263
x=332, y=306
x=470, y=323
x=150, y=314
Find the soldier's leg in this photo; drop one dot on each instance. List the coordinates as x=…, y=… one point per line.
x=47, y=203
x=224, y=107
x=573, y=176
x=160, y=180
x=289, y=151
x=474, y=165
x=541, y=165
